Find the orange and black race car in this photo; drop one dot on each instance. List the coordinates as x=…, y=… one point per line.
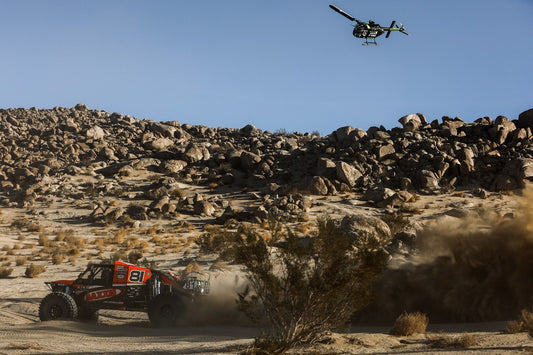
x=122, y=286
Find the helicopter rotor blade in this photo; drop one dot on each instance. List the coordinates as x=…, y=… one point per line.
x=348, y=16
x=390, y=29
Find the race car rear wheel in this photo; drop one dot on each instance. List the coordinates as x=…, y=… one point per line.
x=165, y=310
x=58, y=305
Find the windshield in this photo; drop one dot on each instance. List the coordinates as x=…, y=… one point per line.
x=96, y=275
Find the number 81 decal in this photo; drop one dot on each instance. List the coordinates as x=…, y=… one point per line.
x=136, y=276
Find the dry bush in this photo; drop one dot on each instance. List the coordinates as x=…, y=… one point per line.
x=21, y=260
x=191, y=268
x=25, y=224
x=410, y=323
x=524, y=323
x=58, y=258
x=34, y=270
x=62, y=234
x=44, y=240
x=443, y=341
x=176, y=192
x=5, y=272
x=302, y=288
x=6, y=248
x=134, y=256
x=119, y=235
x=215, y=240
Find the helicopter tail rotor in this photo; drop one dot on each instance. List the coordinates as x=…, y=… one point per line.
x=390, y=29
x=347, y=15
x=402, y=29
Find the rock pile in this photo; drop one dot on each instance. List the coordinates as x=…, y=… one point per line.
x=39, y=148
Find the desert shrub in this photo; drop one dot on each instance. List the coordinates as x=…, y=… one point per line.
x=21, y=260
x=524, y=323
x=410, y=323
x=5, y=272
x=443, y=341
x=136, y=211
x=58, y=258
x=25, y=224
x=44, y=240
x=302, y=287
x=62, y=234
x=34, y=270
x=215, y=240
x=176, y=192
x=191, y=268
x=134, y=256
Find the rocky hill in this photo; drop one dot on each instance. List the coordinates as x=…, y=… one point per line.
x=124, y=188
x=41, y=148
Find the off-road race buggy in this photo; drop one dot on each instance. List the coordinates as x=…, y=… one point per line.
x=122, y=286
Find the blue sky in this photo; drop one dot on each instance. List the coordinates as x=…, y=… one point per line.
x=288, y=65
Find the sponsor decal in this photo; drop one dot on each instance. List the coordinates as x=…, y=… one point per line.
x=100, y=295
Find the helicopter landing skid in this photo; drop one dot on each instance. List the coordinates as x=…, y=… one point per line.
x=370, y=44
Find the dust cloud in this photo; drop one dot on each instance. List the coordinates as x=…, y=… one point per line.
x=219, y=307
x=474, y=269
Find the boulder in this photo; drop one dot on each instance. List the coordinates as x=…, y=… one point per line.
x=197, y=153
x=317, y=186
x=361, y=228
x=172, y=166
x=413, y=122
x=501, y=129
x=525, y=119
x=203, y=208
x=159, y=144
x=347, y=173
x=95, y=132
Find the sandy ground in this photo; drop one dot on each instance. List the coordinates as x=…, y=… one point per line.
x=217, y=329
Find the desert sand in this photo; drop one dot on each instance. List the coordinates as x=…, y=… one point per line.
x=216, y=328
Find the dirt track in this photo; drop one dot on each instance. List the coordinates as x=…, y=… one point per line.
x=129, y=333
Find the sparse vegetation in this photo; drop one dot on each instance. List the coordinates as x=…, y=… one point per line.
x=21, y=260
x=5, y=272
x=27, y=225
x=443, y=341
x=524, y=323
x=410, y=323
x=34, y=270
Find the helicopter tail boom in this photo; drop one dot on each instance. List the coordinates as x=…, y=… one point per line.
x=394, y=27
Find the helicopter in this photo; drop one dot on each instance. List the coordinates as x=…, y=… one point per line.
x=370, y=29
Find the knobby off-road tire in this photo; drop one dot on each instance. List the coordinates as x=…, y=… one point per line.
x=58, y=305
x=165, y=310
